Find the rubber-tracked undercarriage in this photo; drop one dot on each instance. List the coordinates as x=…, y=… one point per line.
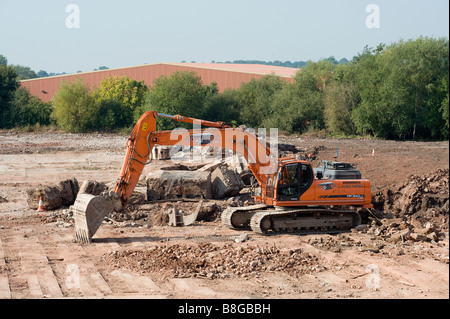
x=267, y=219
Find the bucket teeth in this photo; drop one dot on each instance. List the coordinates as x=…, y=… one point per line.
x=82, y=235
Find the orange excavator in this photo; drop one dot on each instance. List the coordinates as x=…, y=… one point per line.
x=290, y=197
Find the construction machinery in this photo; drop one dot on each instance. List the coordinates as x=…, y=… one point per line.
x=290, y=197
x=337, y=170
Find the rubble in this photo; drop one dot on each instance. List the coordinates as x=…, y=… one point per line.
x=417, y=210
x=54, y=196
x=214, y=261
x=92, y=187
x=178, y=184
x=225, y=182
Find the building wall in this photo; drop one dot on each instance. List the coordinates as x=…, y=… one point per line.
x=225, y=79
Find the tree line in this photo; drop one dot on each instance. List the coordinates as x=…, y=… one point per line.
x=397, y=91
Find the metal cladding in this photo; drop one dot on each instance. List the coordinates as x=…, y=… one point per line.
x=227, y=76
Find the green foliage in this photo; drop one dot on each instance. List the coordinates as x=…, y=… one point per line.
x=222, y=107
x=73, y=107
x=8, y=85
x=444, y=106
x=340, y=99
x=24, y=72
x=111, y=115
x=181, y=93
x=42, y=74
x=3, y=60
x=399, y=89
x=27, y=110
x=255, y=99
x=117, y=99
x=299, y=106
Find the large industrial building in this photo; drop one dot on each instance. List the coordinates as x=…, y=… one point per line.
x=225, y=75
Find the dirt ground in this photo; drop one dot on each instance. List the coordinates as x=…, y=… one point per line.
x=134, y=259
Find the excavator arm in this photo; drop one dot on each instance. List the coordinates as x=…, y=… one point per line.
x=90, y=210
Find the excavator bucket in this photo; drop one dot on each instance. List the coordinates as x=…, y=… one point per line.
x=89, y=212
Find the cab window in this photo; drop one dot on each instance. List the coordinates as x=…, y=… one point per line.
x=306, y=176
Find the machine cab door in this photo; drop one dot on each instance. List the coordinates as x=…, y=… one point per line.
x=293, y=180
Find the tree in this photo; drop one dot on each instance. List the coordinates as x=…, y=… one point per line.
x=444, y=88
x=129, y=93
x=180, y=93
x=26, y=109
x=399, y=88
x=222, y=107
x=3, y=60
x=8, y=85
x=299, y=106
x=73, y=107
x=42, y=74
x=24, y=72
x=340, y=99
x=255, y=99
x=373, y=115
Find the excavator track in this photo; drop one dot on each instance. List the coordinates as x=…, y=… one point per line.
x=239, y=217
x=304, y=221
x=267, y=220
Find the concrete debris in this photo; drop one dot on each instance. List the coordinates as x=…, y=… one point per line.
x=92, y=187
x=241, y=238
x=225, y=182
x=212, y=181
x=178, y=184
x=417, y=210
x=417, y=195
x=206, y=260
x=211, y=166
x=55, y=196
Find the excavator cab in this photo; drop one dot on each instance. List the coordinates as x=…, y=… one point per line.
x=293, y=180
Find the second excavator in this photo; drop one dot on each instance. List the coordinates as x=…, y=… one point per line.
x=290, y=197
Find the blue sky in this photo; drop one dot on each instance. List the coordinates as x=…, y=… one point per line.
x=125, y=33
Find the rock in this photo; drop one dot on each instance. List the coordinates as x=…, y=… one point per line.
x=370, y=249
x=92, y=187
x=362, y=228
x=241, y=238
x=394, y=222
x=432, y=237
x=415, y=222
x=418, y=237
x=225, y=182
x=237, y=163
x=53, y=197
x=211, y=167
x=137, y=198
x=178, y=184
x=400, y=236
